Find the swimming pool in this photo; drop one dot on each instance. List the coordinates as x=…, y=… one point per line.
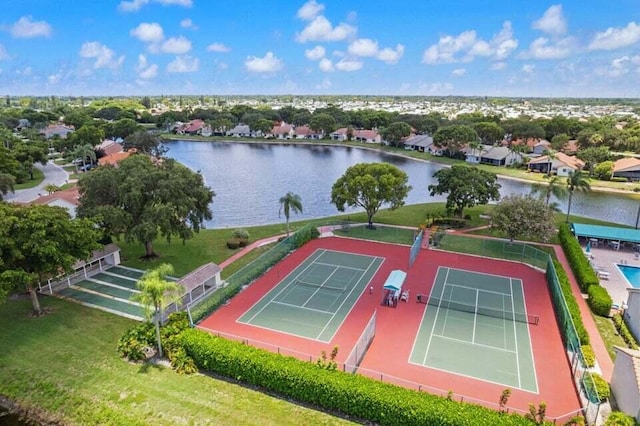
x=631, y=273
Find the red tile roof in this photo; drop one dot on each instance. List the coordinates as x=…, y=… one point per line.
x=114, y=158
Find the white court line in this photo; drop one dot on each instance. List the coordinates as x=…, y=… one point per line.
x=504, y=326
x=435, y=320
x=476, y=288
x=108, y=284
x=531, y=351
x=482, y=273
x=346, y=298
x=281, y=290
x=120, y=276
x=301, y=307
x=340, y=266
x=475, y=344
x=515, y=332
x=475, y=318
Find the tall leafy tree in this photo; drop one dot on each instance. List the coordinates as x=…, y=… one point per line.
x=322, y=122
x=525, y=217
x=554, y=187
x=395, y=132
x=39, y=242
x=84, y=152
x=576, y=181
x=454, y=138
x=466, y=186
x=489, y=131
x=143, y=200
x=370, y=186
x=7, y=183
x=156, y=293
x=145, y=143
x=288, y=203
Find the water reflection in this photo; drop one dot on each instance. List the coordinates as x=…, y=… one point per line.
x=249, y=179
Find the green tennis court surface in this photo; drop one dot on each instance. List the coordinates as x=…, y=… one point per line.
x=314, y=299
x=476, y=325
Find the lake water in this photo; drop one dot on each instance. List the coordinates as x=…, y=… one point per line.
x=249, y=179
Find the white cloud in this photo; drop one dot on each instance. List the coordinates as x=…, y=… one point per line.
x=104, y=57
x=543, y=48
x=326, y=65
x=25, y=27
x=148, y=32
x=435, y=88
x=135, y=5
x=447, y=47
x=363, y=47
x=498, y=66
x=3, y=53
x=503, y=43
x=391, y=56
x=320, y=29
x=459, y=72
x=310, y=10
x=614, y=38
x=528, y=68
x=176, y=45
x=144, y=70
x=621, y=66
x=184, y=64
x=348, y=65
x=325, y=84
x=552, y=22
x=315, y=54
x=54, y=78
x=218, y=47
x=188, y=23
x=267, y=64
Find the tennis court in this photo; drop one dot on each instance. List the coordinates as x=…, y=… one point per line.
x=476, y=325
x=315, y=298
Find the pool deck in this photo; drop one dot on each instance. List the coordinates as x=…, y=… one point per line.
x=605, y=259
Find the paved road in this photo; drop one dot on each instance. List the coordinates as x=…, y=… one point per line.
x=52, y=174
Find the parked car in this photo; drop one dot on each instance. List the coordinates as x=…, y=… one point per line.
x=87, y=167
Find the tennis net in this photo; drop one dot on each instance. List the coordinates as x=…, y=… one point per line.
x=488, y=312
x=320, y=286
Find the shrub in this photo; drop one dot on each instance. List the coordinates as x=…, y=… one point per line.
x=589, y=356
x=584, y=273
x=624, y=332
x=351, y=394
x=135, y=341
x=233, y=243
x=599, y=300
x=617, y=418
x=619, y=179
x=454, y=222
x=304, y=235
x=572, y=304
x=593, y=382
x=243, y=242
x=241, y=234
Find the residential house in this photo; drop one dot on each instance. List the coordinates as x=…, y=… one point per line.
x=625, y=381
x=531, y=146
x=194, y=127
x=561, y=164
x=339, y=135
x=306, y=132
x=419, y=143
x=67, y=198
x=282, y=131
x=632, y=312
x=56, y=130
x=474, y=155
x=109, y=146
x=571, y=147
x=500, y=156
x=115, y=158
x=367, y=136
x=206, y=131
x=242, y=131
x=541, y=147
x=628, y=168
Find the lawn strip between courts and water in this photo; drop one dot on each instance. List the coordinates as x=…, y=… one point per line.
x=64, y=366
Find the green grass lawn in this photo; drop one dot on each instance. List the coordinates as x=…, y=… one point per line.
x=609, y=334
x=65, y=364
x=38, y=177
x=380, y=233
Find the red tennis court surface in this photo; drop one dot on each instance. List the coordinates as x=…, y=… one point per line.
x=396, y=328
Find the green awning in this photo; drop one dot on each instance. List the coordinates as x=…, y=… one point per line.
x=606, y=232
x=395, y=280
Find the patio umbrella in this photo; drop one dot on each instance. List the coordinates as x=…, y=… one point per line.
x=588, y=249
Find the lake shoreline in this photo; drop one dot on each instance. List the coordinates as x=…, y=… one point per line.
x=175, y=138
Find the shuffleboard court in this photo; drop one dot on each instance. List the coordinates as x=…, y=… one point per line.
x=315, y=298
x=476, y=325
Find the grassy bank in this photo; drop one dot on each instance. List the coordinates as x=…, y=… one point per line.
x=38, y=177
x=65, y=364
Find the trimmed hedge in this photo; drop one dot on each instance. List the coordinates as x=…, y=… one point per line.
x=584, y=273
x=601, y=386
x=599, y=300
x=572, y=303
x=624, y=331
x=454, y=222
x=351, y=394
x=589, y=356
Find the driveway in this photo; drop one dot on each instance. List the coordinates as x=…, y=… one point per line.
x=53, y=174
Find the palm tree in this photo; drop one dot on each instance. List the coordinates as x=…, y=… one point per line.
x=6, y=184
x=288, y=203
x=156, y=293
x=576, y=181
x=554, y=188
x=83, y=152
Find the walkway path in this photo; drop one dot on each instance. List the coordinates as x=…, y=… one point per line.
x=250, y=247
x=53, y=174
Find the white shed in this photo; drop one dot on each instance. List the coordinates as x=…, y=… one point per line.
x=625, y=382
x=632, y=312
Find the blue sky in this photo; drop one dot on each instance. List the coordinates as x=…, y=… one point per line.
x=576, y=48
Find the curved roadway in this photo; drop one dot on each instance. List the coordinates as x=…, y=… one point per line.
x=53, y=174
